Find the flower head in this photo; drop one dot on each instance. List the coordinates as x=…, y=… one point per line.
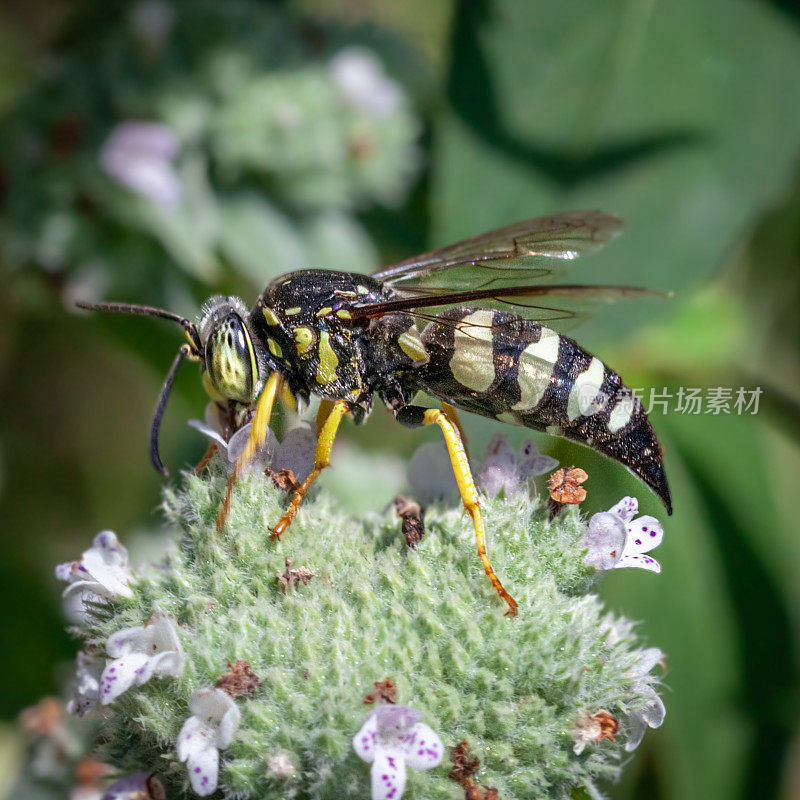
x=139, y=654
x=215, y=718
x=359, y=76
x=139, y=156
x=503, y=470
x=391, y=739
x=101, y=572
x=615, y=539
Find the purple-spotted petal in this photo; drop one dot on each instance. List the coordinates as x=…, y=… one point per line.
x=641, y=561
x=203, y=769
x=218, y=712
x=66, y=570
x=604, y=540
x=365, y=741
x=120, y=674
x=388, y=774
x=195, y=736
x=131, y=787
x=627, y=508
x=644, y=534
x=128, y=640
x=422, y=747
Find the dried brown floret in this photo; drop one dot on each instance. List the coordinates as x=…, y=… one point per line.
x=385, y=692
x=283, y=479
x=463, y=769
x=413, y=519
x=239, y=680
x=294, y=577
x=39, y=720
x=593, y=727
x=566, y=489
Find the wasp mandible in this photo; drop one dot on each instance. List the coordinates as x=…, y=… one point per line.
x=439, y=323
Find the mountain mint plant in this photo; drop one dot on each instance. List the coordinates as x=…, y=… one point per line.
x=340, y=662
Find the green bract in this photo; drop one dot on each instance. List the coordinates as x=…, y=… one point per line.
x=514, y=688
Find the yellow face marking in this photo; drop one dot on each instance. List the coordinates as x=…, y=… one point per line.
x=535, y=368
x=274, y=347
x=324, y=311
x=328, y=360
x=362, y=289
x=290, y=312
x=412, y=346
x=343, y=293
x=581, y=400
x=270, y=316
x=343, y=313
x=472, y=363
x=304, y=338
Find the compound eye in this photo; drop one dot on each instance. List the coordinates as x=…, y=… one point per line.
x=231, y=360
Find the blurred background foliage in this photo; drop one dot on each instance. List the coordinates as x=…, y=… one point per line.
x=351, y=133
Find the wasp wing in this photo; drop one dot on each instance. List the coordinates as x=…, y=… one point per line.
x=528, y=302
x=518, y=252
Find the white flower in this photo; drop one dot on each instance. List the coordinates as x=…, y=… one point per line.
x=231, y=449
x=101, y=572
x=360, y=77
x=139, y=786
x=139, y=654
x=503, y=470
x=391, y=739
x=215, y=718
x=296, y=452
x=616, y=540
x=652, y=714
x=86, y=689
x=430, y=474
x=139, y=156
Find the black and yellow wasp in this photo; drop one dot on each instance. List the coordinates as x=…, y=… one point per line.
x=437, y=323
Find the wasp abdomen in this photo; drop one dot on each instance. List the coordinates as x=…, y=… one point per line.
x=516, y=370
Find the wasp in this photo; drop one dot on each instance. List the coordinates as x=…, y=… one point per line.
x=464, y=324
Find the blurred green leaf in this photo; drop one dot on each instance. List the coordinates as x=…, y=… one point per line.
x=336, y=241
x=257, y=239
x=681, y=117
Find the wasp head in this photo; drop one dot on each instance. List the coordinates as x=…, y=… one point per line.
x=232, y=365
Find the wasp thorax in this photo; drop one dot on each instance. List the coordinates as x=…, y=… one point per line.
x=231, y=360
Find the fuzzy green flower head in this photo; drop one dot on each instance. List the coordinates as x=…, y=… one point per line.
x=339, y=662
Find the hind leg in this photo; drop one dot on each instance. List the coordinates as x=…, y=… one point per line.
x=416, y=415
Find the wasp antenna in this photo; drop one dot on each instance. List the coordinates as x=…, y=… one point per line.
x=148, y=311
x=155, y=428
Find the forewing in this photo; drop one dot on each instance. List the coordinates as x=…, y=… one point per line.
x=519, y=252
x=572, y=303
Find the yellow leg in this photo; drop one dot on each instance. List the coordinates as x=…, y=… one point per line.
x=469, y=496
x=451, y=412
x=326, y=433
x=258, y=433
x=323, y=412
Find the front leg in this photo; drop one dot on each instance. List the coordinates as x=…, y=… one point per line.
x=326, y=435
